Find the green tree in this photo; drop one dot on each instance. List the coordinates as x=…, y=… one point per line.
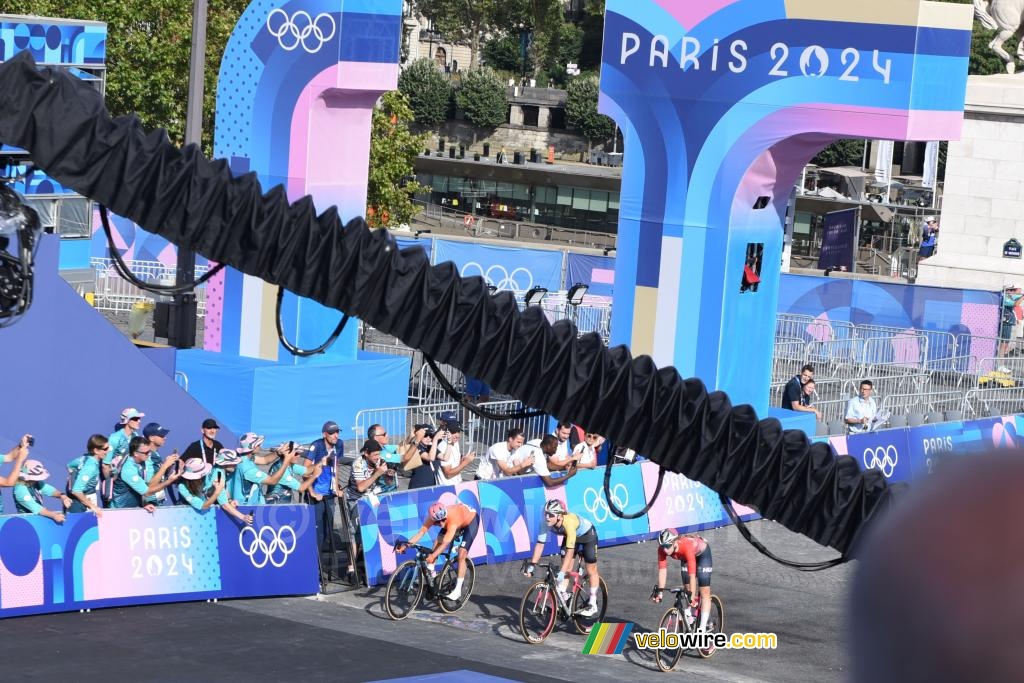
x=148, y=47
x=581, y=110
x=428, y=91
x=481, y=97
x=392, y=151
x=841, y=153
x=503, y=53
x=464, y=22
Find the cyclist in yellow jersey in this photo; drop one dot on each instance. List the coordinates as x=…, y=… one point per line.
x=579, y=536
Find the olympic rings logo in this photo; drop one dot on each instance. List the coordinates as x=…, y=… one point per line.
x=267, y=545
x=519, y=280
x=301, y=29
x=595, y=503
x=883, y=458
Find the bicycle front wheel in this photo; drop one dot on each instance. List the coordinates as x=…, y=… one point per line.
x=581, y=600
x=446, y=583
x=537, y=613
x=716, y=623
x=405, y=589
x=672, y=622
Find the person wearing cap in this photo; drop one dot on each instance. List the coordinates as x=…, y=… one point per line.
x=200, y=489
x=206, y=447
x=421, y=442
x=30, y=489
x=156, y=435
x=138, y=479
x=929, y=238
x=131, y=419
x=365, y=477
x=18, y=454
x=84, y=476
x=326, y=490
x=450, y=461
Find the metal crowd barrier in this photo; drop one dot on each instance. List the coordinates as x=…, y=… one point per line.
x=993, y=402
x=114, y=293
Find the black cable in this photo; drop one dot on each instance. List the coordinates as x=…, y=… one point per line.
x=296, y=351
x=611, y=501
x=449, y=389
x=122, y=268
x=760, y=547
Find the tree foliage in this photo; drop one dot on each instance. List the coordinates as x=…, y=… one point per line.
x=481, y=97
x=428, y=91
x=393, y=148
x=983, y=60
x=148, y=47
x=464, y=22
x=503, y=52
x=581, y=110
x=841, y=153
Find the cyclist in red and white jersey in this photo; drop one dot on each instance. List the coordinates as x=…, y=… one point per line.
x=694, y=554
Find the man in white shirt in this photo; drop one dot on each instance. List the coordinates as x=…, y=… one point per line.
x=502, y=456
x=562, y=432
x=544, y=464
x=862, y=409
x=452, y=462
x=585, y=453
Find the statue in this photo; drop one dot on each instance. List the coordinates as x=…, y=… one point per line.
x=1006, y=17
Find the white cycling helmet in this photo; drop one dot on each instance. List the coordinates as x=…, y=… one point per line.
x=555, y=507
x=667, y=538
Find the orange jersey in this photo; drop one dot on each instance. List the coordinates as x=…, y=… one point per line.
x=459, y=517
x=686, y=548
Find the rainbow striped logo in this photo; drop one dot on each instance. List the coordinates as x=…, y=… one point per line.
x=607, y=639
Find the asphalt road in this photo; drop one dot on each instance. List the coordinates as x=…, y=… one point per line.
x=346, y=635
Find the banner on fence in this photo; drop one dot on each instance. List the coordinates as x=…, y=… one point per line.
x=839, y=233
x=512, y=513
x=597, y=272
x=130, y=557
x=507, y=268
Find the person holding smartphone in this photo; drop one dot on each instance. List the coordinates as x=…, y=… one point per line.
x=325, y=490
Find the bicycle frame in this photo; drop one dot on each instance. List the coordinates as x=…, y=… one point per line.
x=552, y=581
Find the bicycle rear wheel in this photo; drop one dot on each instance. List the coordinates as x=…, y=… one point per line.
x=447, y=580
x=537, y=613
x=716, y=624
x=580, y=600
x=405, y=589
x=673, y=621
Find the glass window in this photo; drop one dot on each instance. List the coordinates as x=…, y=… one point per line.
x=565, y=196
x=598, y=201
x=613, y=201
x=439, y=183
x=504, y=190
x=580, y=198
x=521, y=192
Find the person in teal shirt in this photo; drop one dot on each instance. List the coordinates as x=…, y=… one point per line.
x=30, y=489
x=294, y=478
x=18, y=455
x=137, y=478
x=84, y=475
x=121, y=439
x=201, y=489
x=245, y=484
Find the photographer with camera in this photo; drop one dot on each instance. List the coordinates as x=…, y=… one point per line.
x=18, y=454
x=296, y=478
x=419, y=457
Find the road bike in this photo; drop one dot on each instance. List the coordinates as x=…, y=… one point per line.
x=413, y=578
x=543, y=604
x=681, y=618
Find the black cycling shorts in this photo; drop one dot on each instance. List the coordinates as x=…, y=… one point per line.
x=703, y=569
x=586, y=546
x=467, y=535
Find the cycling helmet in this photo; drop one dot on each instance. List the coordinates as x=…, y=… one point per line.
x=438, y=512
x=667, y=538
x=555, y=507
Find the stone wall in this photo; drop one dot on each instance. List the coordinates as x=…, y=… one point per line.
x=983, y=203
x=568, y=145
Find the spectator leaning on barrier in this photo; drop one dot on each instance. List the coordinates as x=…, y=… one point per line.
x=296, y=478
x=450, y=461
x=545, y=465
x=30, y=489
x=807, y=398
x=563, y=432
x=156, y=436
x=202, y=490
x=137, y=478
x=18, y=454
x=792, y=395
x=502, y=456
x=585, y=454
x=84, y=476
x=389, y=482
x=861, y=409
x=207, y=446
x=131, y=419
x=245, y=486
x=420, y=447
